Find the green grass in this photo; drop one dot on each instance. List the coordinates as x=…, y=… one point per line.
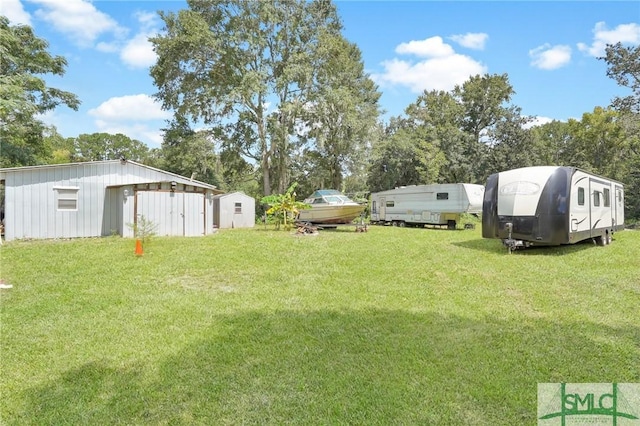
x=392, y=326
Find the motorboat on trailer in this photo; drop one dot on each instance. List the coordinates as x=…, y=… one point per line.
x=330, y=207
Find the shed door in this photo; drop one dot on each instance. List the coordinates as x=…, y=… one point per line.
x=173, y=213
x=193, y=219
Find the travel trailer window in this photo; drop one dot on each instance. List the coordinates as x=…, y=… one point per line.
x=607, y=198
x=390, y=203
x=374, y=209
x=238, y=208
x=596, y=198
x=67, y=198
x=442, y=196
x=581, y=196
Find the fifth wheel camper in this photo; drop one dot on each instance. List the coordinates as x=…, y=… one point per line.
x=420, y=205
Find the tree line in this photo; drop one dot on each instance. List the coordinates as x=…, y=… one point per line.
x=280, y=96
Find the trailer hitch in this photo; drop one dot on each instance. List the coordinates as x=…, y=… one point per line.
x=509, y=242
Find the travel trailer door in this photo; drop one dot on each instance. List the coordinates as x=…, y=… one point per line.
x=579, y=204
x=619, y=207
x=382, y=206
x=601, y=208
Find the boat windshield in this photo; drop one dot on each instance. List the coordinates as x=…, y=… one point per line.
x=334, y=199
x=327, y=197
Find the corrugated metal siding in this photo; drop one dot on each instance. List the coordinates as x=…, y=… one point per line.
x=174, y=213
x=209, y=213
x=226, y=215
x=31, y=208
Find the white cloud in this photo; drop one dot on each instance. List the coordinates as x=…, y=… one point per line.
x=138, y=52
x=148, y=20
x=84, y=24
x=130, y=108
x=549, y=57
x=106, y=47
x=137, y=116
x=623, y=33
x=442, y=69
x=78, y=19
x=13, y=10
x=430, y=47
x=140, y=131
x=471, y=40
x=538, y=121
x=433, y=74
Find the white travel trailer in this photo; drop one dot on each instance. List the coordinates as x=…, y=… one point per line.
x=551, y=205
x=419, y=205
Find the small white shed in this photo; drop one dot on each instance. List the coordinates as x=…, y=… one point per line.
x=102, y=198
x=234, y=210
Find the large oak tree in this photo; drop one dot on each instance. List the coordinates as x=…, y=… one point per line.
x=251, y=68
x=24, y=59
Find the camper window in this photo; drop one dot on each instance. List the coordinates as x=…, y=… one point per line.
x=581, y=196
x=442, y=196
x=596, y=198
x=374, y=208
x=607, y=198
x=390, y=203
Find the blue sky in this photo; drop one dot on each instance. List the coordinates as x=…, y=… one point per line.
x=547, y=48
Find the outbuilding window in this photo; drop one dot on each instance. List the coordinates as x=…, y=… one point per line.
x=238, y=208
x=66, y=198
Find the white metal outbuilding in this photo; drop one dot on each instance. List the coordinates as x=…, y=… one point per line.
x=103, y=198
x=234, y=210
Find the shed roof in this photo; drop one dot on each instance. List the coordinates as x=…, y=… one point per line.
x=228, y=194
x=170, y=175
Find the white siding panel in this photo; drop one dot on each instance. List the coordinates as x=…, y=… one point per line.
x=26, y=208
x=31, y=207
x=174, y=213
x=225, y=214
x=193, y=214
x=209, y=213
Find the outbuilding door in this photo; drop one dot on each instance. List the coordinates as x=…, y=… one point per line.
x=173, y=213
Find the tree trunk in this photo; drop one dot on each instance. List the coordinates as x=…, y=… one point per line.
x=265, y=154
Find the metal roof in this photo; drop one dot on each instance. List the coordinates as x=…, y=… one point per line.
x=176, y=177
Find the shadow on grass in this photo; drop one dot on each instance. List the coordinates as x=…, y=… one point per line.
x=348, y=367
x=495, y=246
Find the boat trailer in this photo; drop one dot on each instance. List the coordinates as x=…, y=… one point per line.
x=312, y=228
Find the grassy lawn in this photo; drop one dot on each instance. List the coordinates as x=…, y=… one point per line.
x=392, y=326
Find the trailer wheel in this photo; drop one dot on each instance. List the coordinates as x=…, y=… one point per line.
x=607, y=237
x=401, y=224
x=451, y=224
x=601, y=241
